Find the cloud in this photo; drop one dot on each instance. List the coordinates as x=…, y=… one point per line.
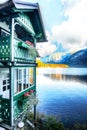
x=72, y=33
x=45, y=48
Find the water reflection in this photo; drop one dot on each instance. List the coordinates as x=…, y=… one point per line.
x=63, y=94
x=78, y=78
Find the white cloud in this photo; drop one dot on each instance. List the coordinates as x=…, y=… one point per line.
x=73, y=32
x=45, y=48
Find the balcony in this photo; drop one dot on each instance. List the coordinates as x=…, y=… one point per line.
x=19, y=51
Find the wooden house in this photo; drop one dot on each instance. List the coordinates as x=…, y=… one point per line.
x=21, y=27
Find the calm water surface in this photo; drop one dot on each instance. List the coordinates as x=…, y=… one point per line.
x=63, y=93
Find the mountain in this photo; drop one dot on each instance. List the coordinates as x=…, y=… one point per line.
x=78, y=59
x=56, y=58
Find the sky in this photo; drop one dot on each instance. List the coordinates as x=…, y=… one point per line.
x=65, y=23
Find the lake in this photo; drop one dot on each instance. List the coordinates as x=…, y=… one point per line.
x=62, y=92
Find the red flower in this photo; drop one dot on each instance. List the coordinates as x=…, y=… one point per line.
x=26, y=94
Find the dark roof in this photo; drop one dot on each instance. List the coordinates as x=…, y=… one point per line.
x=13, y=7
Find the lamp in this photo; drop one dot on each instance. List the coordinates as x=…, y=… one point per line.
x=21, y=124
x=3, y=1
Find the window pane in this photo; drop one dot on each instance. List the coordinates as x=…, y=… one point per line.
x=4, y=82
x=4, y=88
x=20, y=87
x=20, y=74
x=31, y=76
x=8, y=86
